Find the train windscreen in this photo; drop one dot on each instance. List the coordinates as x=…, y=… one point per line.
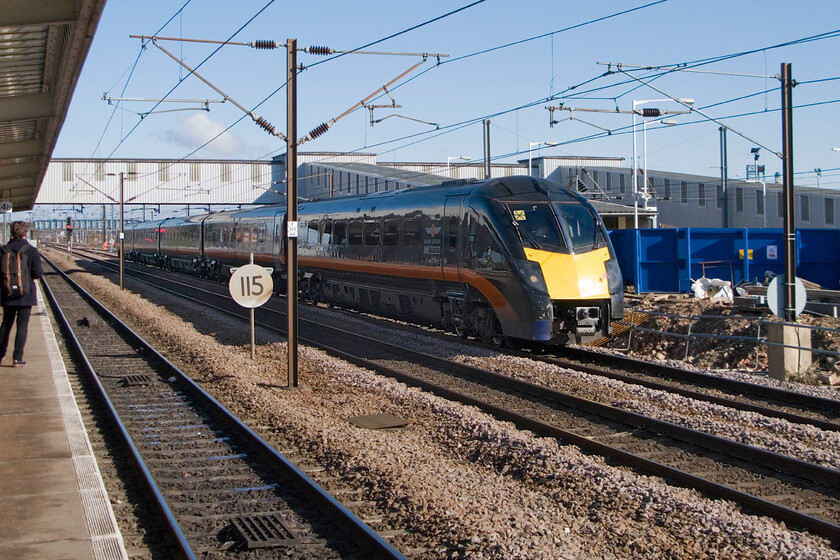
x=583, y=227
x=538, y=227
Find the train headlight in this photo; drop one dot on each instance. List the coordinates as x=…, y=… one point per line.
x=532, y=274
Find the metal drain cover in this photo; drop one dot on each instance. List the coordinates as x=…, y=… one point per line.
x=378, y=421
x=264, y=530
x=137, y=379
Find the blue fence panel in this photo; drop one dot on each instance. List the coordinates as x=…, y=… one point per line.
x=667, y=260
x=647, y=258
x=818, y=257
x=624, y=243
x=658, y=270
x=767, y=254
x=708, y=252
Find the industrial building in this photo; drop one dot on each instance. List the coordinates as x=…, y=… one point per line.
x=682, y=200
x=194, y=186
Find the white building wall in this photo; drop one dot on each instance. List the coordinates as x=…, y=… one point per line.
x=181, y=182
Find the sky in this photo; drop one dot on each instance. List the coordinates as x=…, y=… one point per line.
x=499, y=60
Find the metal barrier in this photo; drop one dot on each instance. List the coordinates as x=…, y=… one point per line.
x=690, y=336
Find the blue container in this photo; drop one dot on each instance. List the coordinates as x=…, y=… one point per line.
x=669, y=260
x=818, y=257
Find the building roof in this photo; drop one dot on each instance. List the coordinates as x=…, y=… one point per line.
x=394, y=173
x=43, y=46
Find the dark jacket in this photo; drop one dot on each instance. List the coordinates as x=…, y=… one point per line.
x=35, y=271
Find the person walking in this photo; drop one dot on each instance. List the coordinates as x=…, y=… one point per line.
x=17, y=308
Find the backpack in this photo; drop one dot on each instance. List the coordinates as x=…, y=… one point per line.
x=15, y=271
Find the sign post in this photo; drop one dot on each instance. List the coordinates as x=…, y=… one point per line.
x=251, y=286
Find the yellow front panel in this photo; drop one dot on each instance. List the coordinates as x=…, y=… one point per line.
x=573, y=276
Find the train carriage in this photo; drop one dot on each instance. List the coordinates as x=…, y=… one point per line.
x=230, y=238
x=512, y=258
x=142, y=242
x=501, y=258
x=181, y=243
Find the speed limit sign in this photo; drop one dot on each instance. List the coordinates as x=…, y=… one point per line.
x=250, y=285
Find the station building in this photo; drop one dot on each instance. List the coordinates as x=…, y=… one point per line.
x=152, y=187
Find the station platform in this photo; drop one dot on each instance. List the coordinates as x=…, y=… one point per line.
x=52, y=496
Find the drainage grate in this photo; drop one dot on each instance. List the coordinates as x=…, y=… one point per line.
x=136, y=379
x=264, y=530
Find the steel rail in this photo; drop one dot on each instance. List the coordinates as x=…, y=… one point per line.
x=752, y=454
x=715, y=381
x=827, y=425
x=375, y=545
x=172, y=525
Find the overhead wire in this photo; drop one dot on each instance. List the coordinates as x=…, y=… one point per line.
x=181, y=80
x=282, y=86
x=448, y=14
x=457, y=126
x=128, y=80
x=560, y=95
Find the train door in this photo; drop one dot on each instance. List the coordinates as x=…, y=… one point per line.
x=451, y=250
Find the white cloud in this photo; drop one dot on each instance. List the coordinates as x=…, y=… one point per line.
x=197, y=128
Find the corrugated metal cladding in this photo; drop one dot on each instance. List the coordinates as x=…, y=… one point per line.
x=460, y=170
x=42, y=48
x=179, y=182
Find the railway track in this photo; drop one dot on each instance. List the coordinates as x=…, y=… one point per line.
x=797, y=492
x=220, y=490
x=795, y=407
x=792, y=406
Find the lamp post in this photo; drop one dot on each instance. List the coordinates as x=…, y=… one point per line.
x=648, y=113
x=450, y=158
x=531, y=146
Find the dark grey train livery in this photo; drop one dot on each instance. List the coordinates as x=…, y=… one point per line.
x=518, y=257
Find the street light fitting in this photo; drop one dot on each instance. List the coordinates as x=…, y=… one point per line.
x=531, y=146
x=450, y=158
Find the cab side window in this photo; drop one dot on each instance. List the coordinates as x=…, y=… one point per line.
x=485, y=253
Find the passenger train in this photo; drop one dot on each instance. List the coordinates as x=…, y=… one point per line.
x=512, y=258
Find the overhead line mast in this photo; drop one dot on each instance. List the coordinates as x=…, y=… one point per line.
x=291, y=153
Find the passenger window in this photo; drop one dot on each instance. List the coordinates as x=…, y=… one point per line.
x=339, y=233
x=412, y=236
x=372, y=234
x=390, y=234
x=312, y=233
x=354, y=234
x=326, y=237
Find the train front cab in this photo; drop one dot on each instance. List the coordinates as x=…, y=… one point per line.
x=581, y=273
x=540, y=257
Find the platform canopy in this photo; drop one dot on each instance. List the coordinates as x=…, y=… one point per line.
x=43, y=46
